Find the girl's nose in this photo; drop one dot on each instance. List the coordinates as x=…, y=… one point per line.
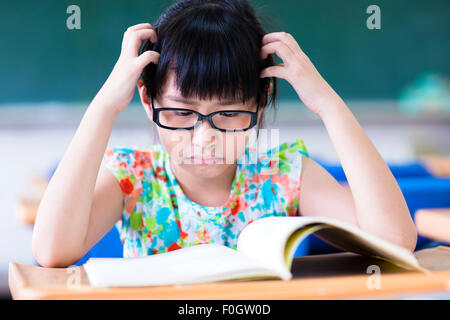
x=203, y=134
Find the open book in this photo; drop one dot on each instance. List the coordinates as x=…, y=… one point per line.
x=265, y=250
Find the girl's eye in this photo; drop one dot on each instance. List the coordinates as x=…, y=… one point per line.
x=228, y=114
x=183, y=113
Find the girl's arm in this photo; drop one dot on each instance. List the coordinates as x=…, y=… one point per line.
x=379, y=205
x=80, y=203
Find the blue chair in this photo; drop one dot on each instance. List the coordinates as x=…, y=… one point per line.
x=425, y=192
x=410, y=169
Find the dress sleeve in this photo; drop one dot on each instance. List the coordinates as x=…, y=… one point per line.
x=294, y=153
x=121, y=162
x=285, y=168
x=298, y=146
x=286, y=158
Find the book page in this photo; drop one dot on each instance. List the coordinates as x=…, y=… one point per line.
x=273, y=240
x=368, y=245
x=265, y=239
x=199, y=263
x=294, y=241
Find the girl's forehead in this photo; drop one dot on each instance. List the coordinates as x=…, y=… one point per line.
x=171, y=93
x=174, y=97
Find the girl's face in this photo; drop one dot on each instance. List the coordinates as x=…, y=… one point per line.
x=203, y=152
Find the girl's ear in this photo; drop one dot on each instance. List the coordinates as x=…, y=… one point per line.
x=145, y=100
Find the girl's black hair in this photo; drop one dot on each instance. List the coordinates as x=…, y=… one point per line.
x=214, y=47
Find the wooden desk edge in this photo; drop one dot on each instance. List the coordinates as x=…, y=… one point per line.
x=437, y=165
x=433, y=223
x=296, y=289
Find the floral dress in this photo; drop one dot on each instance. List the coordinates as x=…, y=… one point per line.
x=158, y=217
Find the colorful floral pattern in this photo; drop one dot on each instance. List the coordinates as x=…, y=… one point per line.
x=158, y=217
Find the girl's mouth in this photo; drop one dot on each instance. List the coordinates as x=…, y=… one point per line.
x=204, y=161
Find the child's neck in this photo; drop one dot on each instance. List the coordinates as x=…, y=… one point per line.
x=210, y=192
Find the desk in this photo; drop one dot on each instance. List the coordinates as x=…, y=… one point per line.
x=437, y=165
x=327, y=276
x=434, y=223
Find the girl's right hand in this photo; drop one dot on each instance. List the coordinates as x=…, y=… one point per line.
x=118, y=90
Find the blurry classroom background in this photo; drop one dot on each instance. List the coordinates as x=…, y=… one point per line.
x=394, y=79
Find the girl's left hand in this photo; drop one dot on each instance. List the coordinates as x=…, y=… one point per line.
x=298, y=70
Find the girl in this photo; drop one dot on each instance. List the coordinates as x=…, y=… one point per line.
x=205, y=75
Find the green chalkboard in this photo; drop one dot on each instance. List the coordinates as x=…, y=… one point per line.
x=42, y=60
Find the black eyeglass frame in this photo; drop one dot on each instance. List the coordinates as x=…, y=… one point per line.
x=253, y=121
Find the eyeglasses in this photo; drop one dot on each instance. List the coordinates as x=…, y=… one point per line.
x=225, y=120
